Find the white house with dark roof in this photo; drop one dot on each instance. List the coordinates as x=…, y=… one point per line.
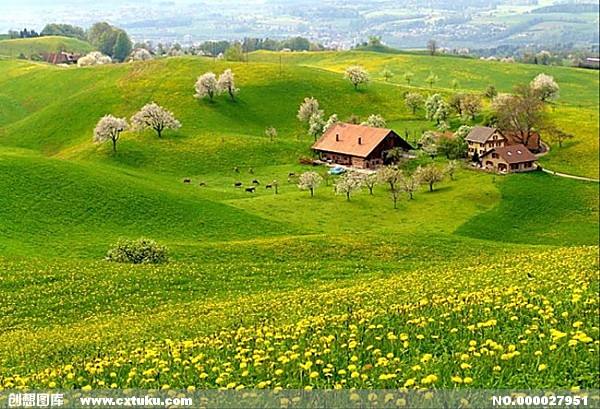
x=482, y=139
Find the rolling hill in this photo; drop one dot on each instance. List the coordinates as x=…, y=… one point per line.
x=13, y=48
x=285, y=261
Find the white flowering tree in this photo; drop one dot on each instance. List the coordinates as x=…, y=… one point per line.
x=94, y=58
x=140, y=54
x=431, y=105
x=109, y=128
x=429, y=174
x=206, y=86
x=271, y=133
x=375, y=120
x=308, y=108
x=153, y=116
x=442, y=114
x=413, y=101
x=316, y=125
x=309, y=181
x=226, y=83
x=391, y=176
x=332, y=120
x=451, y=168
x=409, y=184
x=369, y=181
x=545, y=87
x=357, y=75
x=349, y=183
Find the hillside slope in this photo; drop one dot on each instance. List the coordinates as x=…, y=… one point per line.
x=33, y=46
x=576, y=111
x=346, y=283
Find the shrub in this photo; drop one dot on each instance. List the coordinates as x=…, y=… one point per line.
x=140, y=251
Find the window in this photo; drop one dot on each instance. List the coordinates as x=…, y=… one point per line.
x=514, y=166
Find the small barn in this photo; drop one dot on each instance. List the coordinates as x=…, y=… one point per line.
x=359, y=146
x=60, y=58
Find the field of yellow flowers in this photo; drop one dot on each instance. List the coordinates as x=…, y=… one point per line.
x=528, y=321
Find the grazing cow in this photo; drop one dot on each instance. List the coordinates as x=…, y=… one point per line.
x=187, y=180
x=256, y=182
x=291, y=175
x=268, y=186
x=250, y=189
x=237, y=184
x=202, y=184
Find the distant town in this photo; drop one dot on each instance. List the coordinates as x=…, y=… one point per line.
x=506, y=27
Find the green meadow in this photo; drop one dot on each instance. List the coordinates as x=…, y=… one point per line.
x=13, y=48
x=481, y=248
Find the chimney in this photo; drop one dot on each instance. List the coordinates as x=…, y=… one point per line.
x=359, y=140
x=337, y=137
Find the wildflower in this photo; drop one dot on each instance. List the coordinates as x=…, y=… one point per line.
x=429, y=379
x=409, y=382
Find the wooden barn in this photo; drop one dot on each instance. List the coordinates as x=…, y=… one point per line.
x=359, y=146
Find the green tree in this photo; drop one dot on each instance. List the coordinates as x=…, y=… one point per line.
x=235, y=53
x=122, y=47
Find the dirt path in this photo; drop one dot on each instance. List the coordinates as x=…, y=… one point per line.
x=565, y=175
x=562, y=175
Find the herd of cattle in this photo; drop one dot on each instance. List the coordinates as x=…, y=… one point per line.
x=250, y=189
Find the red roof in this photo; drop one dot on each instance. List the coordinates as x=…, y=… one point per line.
x=514, y=154
x=349, y=139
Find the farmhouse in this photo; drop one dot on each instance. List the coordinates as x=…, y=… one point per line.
x=357, y=145
x=482, y=139
x=509, y=159
x=60, y=58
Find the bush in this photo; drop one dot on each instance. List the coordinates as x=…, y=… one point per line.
x=140, y=251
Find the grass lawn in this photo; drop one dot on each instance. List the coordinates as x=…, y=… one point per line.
x=33, y=46
x=500, y=272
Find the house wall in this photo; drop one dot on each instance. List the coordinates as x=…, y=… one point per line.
x=375, y=159
x=495, y=141
x=498, y=164
x=336, y=158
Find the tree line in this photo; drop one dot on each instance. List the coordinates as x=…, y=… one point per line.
x=109, y=40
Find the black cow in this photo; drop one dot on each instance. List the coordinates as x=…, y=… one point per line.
x=256, y=182
x=237, y=184
x=268, y=186
x=187, y=180
x=251, y=189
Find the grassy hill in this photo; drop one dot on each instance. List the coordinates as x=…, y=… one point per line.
x=576, y=110
x=28, y=47
x=285, y=261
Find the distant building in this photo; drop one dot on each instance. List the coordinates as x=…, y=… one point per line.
x=502, y=153
x=509, y=159
x=591, y=63
x=61, y=57
x=357, y=145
